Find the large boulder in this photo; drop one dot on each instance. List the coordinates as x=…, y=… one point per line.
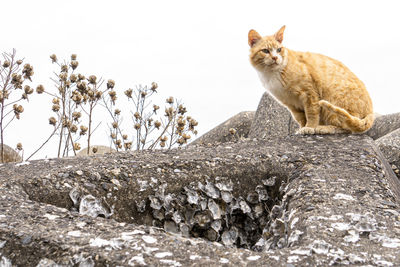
x=233, y=129
x=389, y=144
x=383, y=125
x=272, y=119
x=10, y=155
x=95, y=150
x=284, y=201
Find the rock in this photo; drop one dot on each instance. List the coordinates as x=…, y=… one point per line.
x=10, y=155
x=389, y=144
x=240, y=123
x=272, y=119
x=292, y=200
x=99, y=151
x=383, y=125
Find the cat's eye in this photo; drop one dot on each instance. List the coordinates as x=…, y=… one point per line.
x=279, y=49
x=266, y=51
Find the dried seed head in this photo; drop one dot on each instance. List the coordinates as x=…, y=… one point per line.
x=137, y=126
x=82, y=86
x=155, y=108
x=74, y=64
x=164, y=138
x=28, y=71
x=118, y=142
x=181, y=110
x=128, y=145
x=112, y=93
x=40, y=89
x=162, y=144
x=77, y=146
x=73, y=128
x=117, y=112
x=53, y=58
x=137, y=115
x=149, y=122
x=63, y=76
x=56, y=101
x=110, y=84
x=181, y=141
x=81, y=77
x=73, y=57
x=157, y=124
x=115, y=125
x=143, y=94
x=113, y=136
x=92, y=79
x=28, y=90
x=19, y=62
x=154, y=86
x=94, y=150
x=128, y=93
x=232, y=131
x=64, y=68
x=6, y=64
x=98, y=94
x=73, y=78
x=124, y=136
x=170, y=100
x=52, y=121
x=83, y=130
x=76, y=115
x=169, y=112
x=19, y=146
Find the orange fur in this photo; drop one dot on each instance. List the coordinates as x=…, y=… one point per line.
x=323, y=95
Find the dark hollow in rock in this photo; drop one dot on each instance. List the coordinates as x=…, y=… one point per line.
x=301, y=200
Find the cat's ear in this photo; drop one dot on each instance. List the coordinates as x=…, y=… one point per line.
x=279, y=35
x=253, y=37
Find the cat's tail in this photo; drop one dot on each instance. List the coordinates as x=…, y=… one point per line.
x=348, y=121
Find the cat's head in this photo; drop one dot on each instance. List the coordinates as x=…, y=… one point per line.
x=267, y=53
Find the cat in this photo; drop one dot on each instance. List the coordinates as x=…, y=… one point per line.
x=322, y=94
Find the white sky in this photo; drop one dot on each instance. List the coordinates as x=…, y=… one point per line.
x=195, y=50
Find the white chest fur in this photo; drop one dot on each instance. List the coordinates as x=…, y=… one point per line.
x=272, y=82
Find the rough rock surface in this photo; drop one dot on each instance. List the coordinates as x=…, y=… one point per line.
x=100, y=150
x=240, y=123
x=389, y=144
x=383, y=125
x=272, y=119
x=287, y=201
x=10, y=155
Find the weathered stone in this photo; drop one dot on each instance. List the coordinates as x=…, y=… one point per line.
x=10, y=155
x=99, y=151
x=383, y=125
x=240, y=125
x=323, y=200
x=390, y=147
x=272, y=119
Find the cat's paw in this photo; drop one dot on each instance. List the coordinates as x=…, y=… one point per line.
x=306, y=130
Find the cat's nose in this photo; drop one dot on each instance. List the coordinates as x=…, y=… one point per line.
x=274, y=58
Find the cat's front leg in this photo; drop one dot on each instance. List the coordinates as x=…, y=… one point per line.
x=298, y=115
x=312, y=113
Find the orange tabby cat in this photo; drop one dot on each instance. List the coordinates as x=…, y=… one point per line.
x=323, y=95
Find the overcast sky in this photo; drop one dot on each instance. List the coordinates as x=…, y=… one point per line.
x=195, y=50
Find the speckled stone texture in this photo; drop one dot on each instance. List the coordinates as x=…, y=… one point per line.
x=241, y=123
x=287, y=201
x=383, y=125
x=390, y=147
x=10, y=155
x=272, y=119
